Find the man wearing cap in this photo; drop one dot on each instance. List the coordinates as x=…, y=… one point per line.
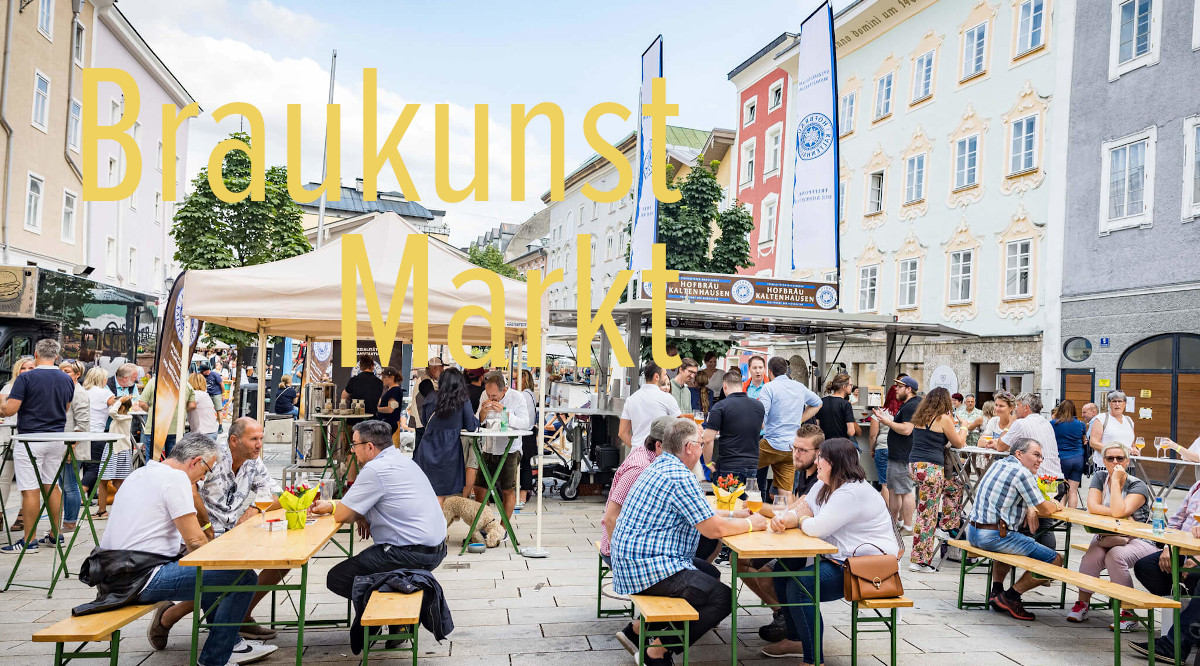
x=901, y=501
x=639, y=458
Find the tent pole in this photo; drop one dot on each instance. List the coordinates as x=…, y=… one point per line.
x=261, y=371
x=537, y=550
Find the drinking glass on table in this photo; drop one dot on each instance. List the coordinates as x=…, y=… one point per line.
x=779, y=506
x=1140, y=443
x=1161, y=444
x=753, y=496
x=263, y=499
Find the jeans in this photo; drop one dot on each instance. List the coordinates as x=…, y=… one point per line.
x=379, y=558
x=881, y=465
x=71, y=499
x=1158, y=582
x=801, y=621
x=702, y=588
x=176, y=583
x=148, y=446
x=1014, y=543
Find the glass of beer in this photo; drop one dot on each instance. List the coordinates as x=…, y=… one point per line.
x=262, y=501
x=753, y=496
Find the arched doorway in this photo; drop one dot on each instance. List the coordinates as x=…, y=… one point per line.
x=1168, y=367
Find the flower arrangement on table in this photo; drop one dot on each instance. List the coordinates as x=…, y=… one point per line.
x=1048, y=484
x=295, y=500
x=727, y=489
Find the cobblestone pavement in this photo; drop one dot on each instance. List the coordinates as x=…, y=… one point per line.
x=516, y=611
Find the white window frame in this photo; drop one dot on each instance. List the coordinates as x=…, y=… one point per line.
x=1116, y=68
x=746, y=167
x=75, y=126
x=110, y=256
x=1191, y=169
x=131, y=260
x=770, y=219
x=1009, y=267
x=1032, y=151
x=847, y=126
x=159, y=159
x=595, y=210
x=749, y=111
x=883, y=104
x=44, y=126
x=1145, y=218
x=1022, y=36
x=158, y=208
x=868, y=275
x=914, y=178
x=954, y=296
x=773, y=162
x=873, y=207
x=918, y=75
x=80, y=43
x=965, y=168
x=156, y=268
x=1196, y=26
x=905, y=288
x=45, y=18
x=776, y=87
x=40, y=210
x=968, y=60
x=75, y=211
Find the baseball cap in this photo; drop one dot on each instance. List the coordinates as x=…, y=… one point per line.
x=909, y=382
x=658, y=427
x=475, y=373
x=435, y=361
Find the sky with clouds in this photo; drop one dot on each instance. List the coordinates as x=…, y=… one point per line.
x=461, y=53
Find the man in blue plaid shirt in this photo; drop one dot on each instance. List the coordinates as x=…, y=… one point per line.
x=1007, y=498
x=654, y=543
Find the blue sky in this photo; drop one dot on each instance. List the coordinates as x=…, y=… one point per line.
x=462, y=53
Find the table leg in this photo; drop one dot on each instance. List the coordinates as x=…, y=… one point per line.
x=492, y=495
x=733, y=638
x=817, y=609
x=32, y=529
x=1178, y=612
x=197, y=611
x=300, y=614
x=86, y=502
x=5, y=454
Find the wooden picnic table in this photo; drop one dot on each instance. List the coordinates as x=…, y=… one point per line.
x=251, y=546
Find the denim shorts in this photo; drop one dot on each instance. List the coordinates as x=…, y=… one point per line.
x=881, y=465
x=1072, y=468
x=1014, y=543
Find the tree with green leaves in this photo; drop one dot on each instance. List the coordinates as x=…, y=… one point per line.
x=210, y=233
x=492, y=259
x=687, y=227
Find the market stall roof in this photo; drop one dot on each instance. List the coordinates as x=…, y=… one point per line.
x=746, y=322
x=302, y=296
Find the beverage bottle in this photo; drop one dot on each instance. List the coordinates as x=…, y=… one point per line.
x=1158, y=517
x=504, y=418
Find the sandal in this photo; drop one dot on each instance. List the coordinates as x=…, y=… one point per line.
x=100, y=514
x=17, y=525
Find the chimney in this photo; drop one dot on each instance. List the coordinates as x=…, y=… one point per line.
x=358, y=184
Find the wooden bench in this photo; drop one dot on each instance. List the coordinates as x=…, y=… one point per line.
x=1119, y=596
x=604, y=572
x=663, y=610
x=93, y=628
x=890, y=621
x=396, y=610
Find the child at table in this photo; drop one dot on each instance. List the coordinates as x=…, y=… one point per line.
x=121, y=463
x=1114, y=492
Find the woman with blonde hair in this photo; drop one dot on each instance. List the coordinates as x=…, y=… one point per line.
x=286, y=399
x=203, y=419
x=939, y=492
x=1117, y=493
x=1004, y=406
x=78, y=420
x=95, y=385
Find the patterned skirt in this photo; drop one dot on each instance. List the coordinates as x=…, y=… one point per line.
x=119, y=467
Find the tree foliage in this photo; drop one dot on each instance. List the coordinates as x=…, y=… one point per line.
x=210, y=233
x=492, y=259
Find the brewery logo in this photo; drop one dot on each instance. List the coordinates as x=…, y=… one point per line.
x=742, y=291
x=826, y=297
x=322, y=351
x=646, y=287
x=187, y=328
x=815, y=136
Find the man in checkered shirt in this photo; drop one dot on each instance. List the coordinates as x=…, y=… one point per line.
x=1007, y=498
x=654, y=543
x=639, y=458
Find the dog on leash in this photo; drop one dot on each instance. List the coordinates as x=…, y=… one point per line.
x=489, y=531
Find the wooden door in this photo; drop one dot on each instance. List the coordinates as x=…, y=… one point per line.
x=1159, y=425
x=1078, y=386
x=1187, y=409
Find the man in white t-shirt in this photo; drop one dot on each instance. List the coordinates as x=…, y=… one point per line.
x=155, y=513
x=644, y=405
x=1030, y=424
x=499, y=396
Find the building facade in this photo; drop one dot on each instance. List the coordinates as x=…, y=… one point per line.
x=947, y=126
x=351, y=211
x=1130, y=292
x=498, y=237
x=128, y=241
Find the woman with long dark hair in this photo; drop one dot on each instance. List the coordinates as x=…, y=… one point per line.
x=939, y=491
x=844, y=509
x=445, y=413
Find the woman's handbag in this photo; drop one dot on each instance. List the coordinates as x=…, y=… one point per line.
x=872, y=576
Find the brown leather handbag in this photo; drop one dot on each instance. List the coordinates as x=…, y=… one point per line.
x=872, y=576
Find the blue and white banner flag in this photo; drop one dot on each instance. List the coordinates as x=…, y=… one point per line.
x=645, y=215
x=815, y=189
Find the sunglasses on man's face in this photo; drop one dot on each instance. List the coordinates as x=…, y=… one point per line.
x=1115, y=459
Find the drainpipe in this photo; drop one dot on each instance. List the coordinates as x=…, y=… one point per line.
x=76, y=7
x=8, y=130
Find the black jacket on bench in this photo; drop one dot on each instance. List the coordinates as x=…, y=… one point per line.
x=435, y=612
x=118, y=576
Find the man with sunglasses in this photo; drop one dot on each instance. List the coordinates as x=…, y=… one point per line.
x=151, y=519
x=1006, y=498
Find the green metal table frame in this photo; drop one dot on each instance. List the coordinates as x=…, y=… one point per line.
x=601, y=611
x=966, y=569
x=112, y=654
x=301, y=622
x=490, y=478
x=814, y=599
x=334, y=446
x=408, y=632
x=645, y=633
x=61, y=552
x=5, y=456
x=889, y=621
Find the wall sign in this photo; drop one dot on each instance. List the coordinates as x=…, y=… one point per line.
x=1104, y=343
x=1104, y=383
x=943, y=377
x=744, y=290
x=1145, y=393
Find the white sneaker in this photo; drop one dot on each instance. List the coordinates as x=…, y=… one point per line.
x=942, y=535
x=1127, y=625
x=921, y=568
x=246, y=652
x=1079, y=612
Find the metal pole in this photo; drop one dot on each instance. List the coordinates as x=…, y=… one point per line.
x=325, y=157
x=537, y=550
x=261, y=371
x=819, y=380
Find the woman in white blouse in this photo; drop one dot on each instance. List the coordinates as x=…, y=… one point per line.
x=845, y=510
x=1113, y=427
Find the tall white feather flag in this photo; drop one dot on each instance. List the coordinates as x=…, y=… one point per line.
x=645, y=215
